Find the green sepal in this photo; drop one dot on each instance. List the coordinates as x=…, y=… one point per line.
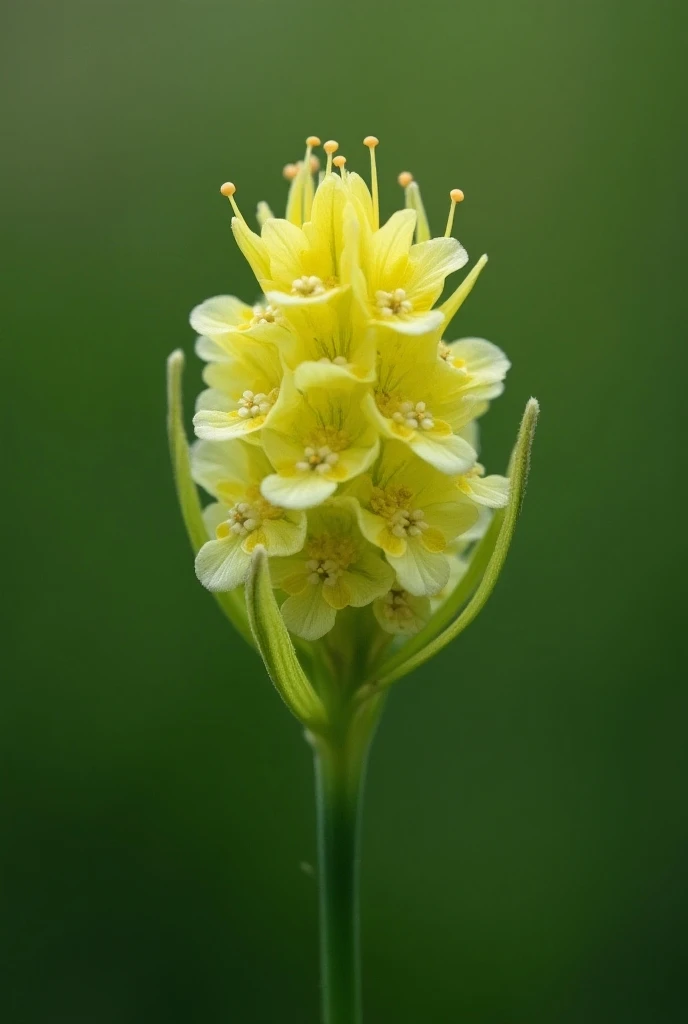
x=276, y=649
x=450, y=306
x=187, y=492
x=471, y=593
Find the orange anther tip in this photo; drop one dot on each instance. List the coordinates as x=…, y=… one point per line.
x=315, y=164
x=228, y=189
x=456, y=195
x=331, y=146
x=290, y=171
x=312, y=140
x=371, y=142
x=405, y=179
x=339, y=161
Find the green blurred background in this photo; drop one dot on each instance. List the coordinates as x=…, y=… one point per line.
x=525, y=829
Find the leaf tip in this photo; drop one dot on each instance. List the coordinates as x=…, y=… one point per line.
x=175, y=359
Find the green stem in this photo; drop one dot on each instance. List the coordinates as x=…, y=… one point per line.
x=339, y=771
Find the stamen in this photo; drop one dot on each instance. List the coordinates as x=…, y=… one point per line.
x=321, y=459
x=306, y=169
x=306, y=286
x=289, y=171
x=405, y=179
x=330, y=147
x=416, y=417
x=340, y=161
x=393, y=303
x=456, y=196
x=228, y=190
x=371, y=142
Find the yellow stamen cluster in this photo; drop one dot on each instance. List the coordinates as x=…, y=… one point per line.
x=335, y=390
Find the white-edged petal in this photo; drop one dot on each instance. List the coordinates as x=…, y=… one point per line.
x=445, y=453
x=419, y=571
x=222, y=564
x=303, y=490
x=307, y=614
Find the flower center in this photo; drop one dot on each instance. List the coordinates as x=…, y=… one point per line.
x=395, y=605
x=252, y=404
x=319, y=459
x=264, y=315
x=307, y=286
x=246, y=516
x=395, y=505
x=414, y=415
x=393, y=303
x=322, y=448
x=329, y=558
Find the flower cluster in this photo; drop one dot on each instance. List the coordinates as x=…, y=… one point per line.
x=338, y=428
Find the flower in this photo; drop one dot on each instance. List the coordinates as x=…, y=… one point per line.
x=241, y=518
x=336, y=568
x=398, y=282
x=399, y=612
x=481, y=366
x=419, y=400
x=338, y=428
x=243, y=389
x=225, y=322
x=300, y=265
x=315, y=441
x=413, y=513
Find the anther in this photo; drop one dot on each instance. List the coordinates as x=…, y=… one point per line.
x=371, y=142
x=340, y=161
x=228, y=190
x=330, y=147
x=289, y=171
x=312, y=140
x=405, y=179
x=456, y=196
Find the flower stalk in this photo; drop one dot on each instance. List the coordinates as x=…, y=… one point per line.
x=339, y=776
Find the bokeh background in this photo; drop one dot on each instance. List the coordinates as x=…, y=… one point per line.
x=525, y=830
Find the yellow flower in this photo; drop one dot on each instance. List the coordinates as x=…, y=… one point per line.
x=316, y=441
x=491, y=491
x=225, y=324
x=412, y=512
x=400, y=612
x=336, y=393
x=304, y=265
x=336, y=568
x=480, y=365
x=241, y=518
x=398, y=282
x=328, y=345
x=244, y=384
x=420, y=400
